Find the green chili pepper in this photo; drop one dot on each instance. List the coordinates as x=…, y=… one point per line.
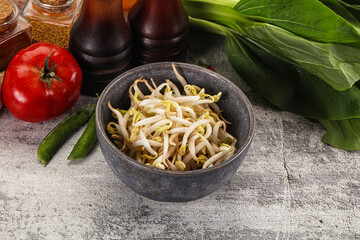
x=86, y=141
x=56, y=137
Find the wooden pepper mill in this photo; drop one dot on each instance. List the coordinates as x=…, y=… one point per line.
x=159, y=29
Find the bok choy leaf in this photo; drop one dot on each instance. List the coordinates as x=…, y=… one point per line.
x=336, y=64
x=283, y=82
x=312, y=20
x=294, y=73
x=287, y=85
x=343, y=134
x=352, y=6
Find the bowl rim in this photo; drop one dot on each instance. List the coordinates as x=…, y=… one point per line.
x=241, y=94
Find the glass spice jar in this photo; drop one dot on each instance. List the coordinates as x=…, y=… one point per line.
x=15, y=32
x=51, y=20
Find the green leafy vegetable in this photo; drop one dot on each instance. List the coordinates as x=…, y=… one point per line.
x=287, y=85
x=339, y=9
x=308, y=77
x=284, y=83
x=336, y=64
x=344, y=134
x=352, y=6
x=310, y=19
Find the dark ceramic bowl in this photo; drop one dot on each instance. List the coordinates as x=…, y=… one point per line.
x=166, y=185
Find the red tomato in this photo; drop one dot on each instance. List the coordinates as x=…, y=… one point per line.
x=41, y=82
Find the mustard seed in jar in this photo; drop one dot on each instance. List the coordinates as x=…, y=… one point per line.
x=15, y=32
x=51, y=20
x=6, y=10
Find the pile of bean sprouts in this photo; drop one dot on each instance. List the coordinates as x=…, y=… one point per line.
x=170, y=130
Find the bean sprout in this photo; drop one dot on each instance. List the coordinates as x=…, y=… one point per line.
x=168, y=130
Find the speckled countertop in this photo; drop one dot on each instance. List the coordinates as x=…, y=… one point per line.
x=290, y=186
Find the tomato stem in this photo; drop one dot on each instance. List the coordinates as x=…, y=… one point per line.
x=48, y=74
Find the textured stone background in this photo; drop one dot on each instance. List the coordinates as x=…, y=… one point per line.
x=290, y=186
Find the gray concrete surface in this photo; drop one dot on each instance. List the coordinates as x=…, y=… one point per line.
x=290, y=186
